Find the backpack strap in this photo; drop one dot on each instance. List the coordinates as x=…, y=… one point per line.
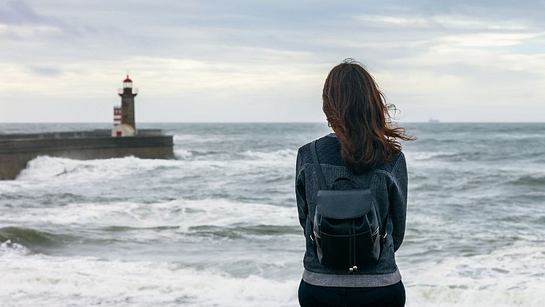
x=317, y=166
x=384, y=233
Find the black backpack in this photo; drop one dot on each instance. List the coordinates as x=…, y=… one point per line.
x=346, y=225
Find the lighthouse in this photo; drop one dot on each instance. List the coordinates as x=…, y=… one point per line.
x=124, y=123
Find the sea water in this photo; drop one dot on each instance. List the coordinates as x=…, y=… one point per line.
x=217, y=226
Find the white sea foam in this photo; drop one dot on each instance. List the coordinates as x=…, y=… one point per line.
x=484, y=280
x=511, y=276
x=425, y=155
x=10, y=248
x=183, y=154
x=279, y=155
x=182, y=213
x=54, y=168
x=39, y=280
x=45, y=168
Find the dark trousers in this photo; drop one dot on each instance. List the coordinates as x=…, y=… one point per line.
x=317, y=296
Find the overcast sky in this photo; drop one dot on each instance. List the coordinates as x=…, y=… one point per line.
x=252, y=61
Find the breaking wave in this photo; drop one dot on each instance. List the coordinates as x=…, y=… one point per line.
x=183, y=215
x=86, y=281
x=31, y=237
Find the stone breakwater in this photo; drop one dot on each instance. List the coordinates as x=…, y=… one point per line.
x=17, y=149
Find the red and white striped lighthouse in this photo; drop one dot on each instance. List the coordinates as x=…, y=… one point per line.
x=124, y=123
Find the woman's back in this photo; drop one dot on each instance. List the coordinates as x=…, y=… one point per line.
x=351, y=191
x=388, y=183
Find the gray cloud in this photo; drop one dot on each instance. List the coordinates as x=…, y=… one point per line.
x=223, y=52
x=18, y=12
x=45, y=71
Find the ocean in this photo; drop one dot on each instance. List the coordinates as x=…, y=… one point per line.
x=218, y=225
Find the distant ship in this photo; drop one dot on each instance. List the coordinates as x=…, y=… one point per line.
x=433, y=121
x=121, y=141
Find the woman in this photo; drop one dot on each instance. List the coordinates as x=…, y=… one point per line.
x=363, y=154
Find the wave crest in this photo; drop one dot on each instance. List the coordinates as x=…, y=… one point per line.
x=30, y=238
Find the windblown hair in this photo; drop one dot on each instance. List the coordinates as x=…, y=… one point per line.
x=357, y=111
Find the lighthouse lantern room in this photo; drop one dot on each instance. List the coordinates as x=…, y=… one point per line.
x=124, y=123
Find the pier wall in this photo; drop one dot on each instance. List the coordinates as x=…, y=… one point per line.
x=16, y=152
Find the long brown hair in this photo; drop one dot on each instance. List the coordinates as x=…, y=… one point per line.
x=357, y=111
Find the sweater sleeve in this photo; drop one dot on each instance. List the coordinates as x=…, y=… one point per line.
x=300, y=193
x=398, y=200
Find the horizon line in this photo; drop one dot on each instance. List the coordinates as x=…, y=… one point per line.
x=274, y=122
